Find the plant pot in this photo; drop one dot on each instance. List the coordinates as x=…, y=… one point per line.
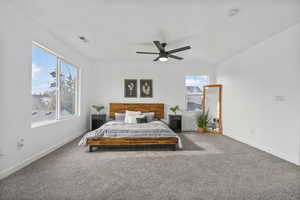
x=200, y=130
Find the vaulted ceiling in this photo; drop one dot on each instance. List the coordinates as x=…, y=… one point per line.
x=115, y=29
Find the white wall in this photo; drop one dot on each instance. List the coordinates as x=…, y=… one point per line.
x=252, y=82
x=16, y=34
x=168, y=83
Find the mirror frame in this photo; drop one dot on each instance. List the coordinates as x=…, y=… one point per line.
x=220, y=87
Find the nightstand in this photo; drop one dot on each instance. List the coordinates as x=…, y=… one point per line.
x=97, y=120
x=175, y=122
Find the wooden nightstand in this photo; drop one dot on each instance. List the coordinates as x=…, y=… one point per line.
x=97, y=120
x=175, y=122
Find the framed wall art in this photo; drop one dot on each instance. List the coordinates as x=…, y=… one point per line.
x=130, y=88
x=146, y=88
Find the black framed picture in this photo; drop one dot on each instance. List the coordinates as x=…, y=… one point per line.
x=130, y=88
x=146, y=88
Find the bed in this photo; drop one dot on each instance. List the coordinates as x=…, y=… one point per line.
x=119, y=133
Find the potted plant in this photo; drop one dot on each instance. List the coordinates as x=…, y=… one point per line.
x=174, y=109
x=97, y=108
x=203, y=120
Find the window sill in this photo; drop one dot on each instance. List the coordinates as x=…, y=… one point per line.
x=49, y=122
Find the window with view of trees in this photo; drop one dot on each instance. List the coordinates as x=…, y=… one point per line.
x=68, y=77
x=194, y=86
x=53, y=97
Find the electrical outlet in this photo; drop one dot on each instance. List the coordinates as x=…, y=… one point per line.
x=20, y=144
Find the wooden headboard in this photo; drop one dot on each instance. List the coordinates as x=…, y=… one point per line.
x=157, y=108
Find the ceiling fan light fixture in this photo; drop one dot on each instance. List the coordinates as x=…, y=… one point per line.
x=163, y=59
x=83, y=39
x=164, y=55
x=234, y=11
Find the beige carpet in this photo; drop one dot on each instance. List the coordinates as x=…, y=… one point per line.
x=209, y=167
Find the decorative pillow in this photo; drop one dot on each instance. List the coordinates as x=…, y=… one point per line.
x=132, y=119
x=130, y=116
x=132, y=112
x=120, y=116
x=149, y=116
x=141, y=120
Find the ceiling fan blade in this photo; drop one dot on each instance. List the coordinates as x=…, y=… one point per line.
x=179, y=49
x=175, y=57
x=158, y=45
x=142, y=52
x=156, y=59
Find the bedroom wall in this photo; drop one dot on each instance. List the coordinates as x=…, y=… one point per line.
x=17, y=32
x=261, y=95
x=168, y=83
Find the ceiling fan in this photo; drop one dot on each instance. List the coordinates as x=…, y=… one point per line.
x=163, y=55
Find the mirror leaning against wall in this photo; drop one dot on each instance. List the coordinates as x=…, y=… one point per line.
x=212, y=102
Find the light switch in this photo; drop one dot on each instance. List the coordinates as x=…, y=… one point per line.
x=20, y=144
x=279, y=98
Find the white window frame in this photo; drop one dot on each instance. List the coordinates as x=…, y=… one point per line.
x=58, y=117
x=193, y=94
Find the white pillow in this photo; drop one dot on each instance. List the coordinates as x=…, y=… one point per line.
x=130, y=116
x=140, y=116
x=132, y=112
x=131, y=119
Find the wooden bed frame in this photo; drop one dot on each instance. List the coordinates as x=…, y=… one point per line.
x=158, y=110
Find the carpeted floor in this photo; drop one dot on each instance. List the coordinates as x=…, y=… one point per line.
x=209, y=167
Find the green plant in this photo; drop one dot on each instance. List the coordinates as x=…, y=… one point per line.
x=174, y=109
x=97, y=108
x=203, y=119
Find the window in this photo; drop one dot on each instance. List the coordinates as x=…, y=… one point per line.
x=194, y=86
x=53, y=97
x=68, y=77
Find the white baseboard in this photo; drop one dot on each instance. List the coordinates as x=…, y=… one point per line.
x=6, y=172
x=262, y=148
